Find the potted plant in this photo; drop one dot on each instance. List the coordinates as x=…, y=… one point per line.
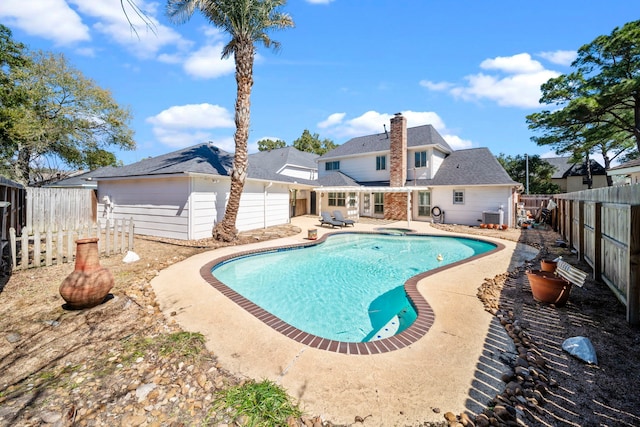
x=548, y=265
x=549, y=288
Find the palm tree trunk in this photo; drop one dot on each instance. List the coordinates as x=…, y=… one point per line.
x=226, y=229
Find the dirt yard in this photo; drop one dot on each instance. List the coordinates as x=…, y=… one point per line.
x=123, y=363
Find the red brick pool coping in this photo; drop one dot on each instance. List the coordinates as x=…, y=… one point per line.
x=422, y=324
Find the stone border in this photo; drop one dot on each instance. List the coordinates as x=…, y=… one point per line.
x=422, y=324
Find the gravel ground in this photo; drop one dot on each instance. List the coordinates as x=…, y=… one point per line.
x=123, y=363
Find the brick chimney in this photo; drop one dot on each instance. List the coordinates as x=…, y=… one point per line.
x=398, y=151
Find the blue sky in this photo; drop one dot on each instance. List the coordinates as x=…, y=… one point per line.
x=470, y=68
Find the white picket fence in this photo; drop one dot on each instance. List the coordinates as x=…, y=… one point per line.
x=36, y=248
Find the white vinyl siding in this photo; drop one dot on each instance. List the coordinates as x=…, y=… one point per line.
x=298, y=172
x=159, y=207
x=437, y=158
x=187, y=208
x=259, y=209
x=360, y=168
x=208, y=201
x=477, y=200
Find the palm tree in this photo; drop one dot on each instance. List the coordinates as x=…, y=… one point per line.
x=247, y=22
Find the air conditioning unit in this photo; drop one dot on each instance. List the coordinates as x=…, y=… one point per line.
x=489, y=217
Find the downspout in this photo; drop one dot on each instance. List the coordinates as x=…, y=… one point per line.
x=408, y=208
x=264, y=205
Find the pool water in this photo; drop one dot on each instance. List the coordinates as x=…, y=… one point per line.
x=350, y=287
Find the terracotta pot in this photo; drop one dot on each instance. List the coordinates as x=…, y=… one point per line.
x=483, y=225
x=549, y=288
x=89, y=284
x=548, y=265
x=504, y=226
x=490, y=226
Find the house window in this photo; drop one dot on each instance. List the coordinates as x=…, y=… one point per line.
x=458, y=197
x=378, y=203
x=352, y=200
x=336, y=199
x=332, y=166
x=381, y=163
x=421, y=159
x=424, y=203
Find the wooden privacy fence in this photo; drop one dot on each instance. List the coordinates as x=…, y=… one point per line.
x=35, y=249
x=45, y=206
x=603, y=226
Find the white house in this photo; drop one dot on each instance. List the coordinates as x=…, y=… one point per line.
x=409, y=174
x=626, y=173
x=182, y=194
x=413, y=174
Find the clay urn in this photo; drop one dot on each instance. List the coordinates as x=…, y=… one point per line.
x=548, y=265
x=89, y=284
x=549, y=288
x=482, y=225
x=504, y=226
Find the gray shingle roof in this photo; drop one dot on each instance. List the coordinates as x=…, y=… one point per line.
x=416, y=136
x=629, y=164
x=202, y=158
x=277, y=159
x=80, y=180
x=475, y=166
x=564, y=168
x=338, y=179
x=208, y=159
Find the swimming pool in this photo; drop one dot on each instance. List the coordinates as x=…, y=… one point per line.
x=346, y=288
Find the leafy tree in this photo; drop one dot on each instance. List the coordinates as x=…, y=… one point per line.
x=60, y=115
x=540, y=172
x=270, y=144
x=599, y=102
x=247, y=22
x=12, y=55
x=313, y=144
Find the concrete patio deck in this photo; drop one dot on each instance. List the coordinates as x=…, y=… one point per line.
x=454, y=367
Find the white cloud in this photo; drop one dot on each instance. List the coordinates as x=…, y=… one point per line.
x=520, y=90
x=457, y=143
x=436, y=86
x=70, y=22
x=206, y=63
x=373, y=122
x=184, y=125
x=515, y=82
x=50, y=19
x=333, y=119
x=560, y=57
x=144, y=35
x=516, y=64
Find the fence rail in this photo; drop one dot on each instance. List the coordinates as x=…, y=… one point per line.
x=57, y=244
x=603, y=226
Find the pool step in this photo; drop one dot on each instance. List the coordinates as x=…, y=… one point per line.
x=388, y=330
x=393, y=326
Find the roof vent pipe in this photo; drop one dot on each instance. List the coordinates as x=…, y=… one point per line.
x=385, y=130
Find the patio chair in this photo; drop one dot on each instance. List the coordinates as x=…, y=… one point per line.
x=326, y=219
x=337, y=215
